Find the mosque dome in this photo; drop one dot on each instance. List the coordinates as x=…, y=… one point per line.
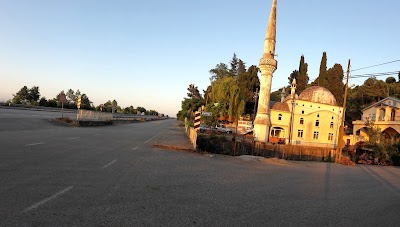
x=318, y=94
x=281, y=106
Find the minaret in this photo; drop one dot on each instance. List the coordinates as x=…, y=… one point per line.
x=268, y=65
x=293, y=88
x=283, y=94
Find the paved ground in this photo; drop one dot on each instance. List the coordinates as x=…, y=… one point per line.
x=114, y=176
x=174, y=138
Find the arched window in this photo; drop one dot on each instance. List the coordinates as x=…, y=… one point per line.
x=317, y=115
x=317, y=123
x=302, y=121
x=331, y=126
x=279, y=117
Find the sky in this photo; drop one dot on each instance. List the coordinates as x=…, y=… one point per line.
x=147, y=52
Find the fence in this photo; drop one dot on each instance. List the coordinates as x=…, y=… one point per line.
x=192, y=134
x=223, y=145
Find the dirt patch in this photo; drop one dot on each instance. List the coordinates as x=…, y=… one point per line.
x=64, y=122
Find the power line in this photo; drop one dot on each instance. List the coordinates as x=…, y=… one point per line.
x=375, y=65
x=375, y=74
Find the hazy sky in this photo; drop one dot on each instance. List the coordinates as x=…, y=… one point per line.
x=147, y=52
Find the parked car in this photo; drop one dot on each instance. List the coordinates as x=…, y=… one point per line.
x=223, y=129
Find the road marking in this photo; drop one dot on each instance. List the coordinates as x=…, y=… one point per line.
x=36, y=205
x=112, y=162
x=153, y=137
x=134, y=149
x=73, y=138
x=33, y=144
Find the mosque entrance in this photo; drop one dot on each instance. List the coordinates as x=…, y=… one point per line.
x=277, y=135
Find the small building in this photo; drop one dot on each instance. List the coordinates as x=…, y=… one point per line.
x=384, y=115
x=309, y=119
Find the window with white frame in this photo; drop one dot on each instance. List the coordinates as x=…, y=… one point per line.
x=331, y=125
x=279, y=117
x=317, y=123
x=302, y=121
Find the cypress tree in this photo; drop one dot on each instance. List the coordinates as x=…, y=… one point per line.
x=322, y=79
x=302, y=78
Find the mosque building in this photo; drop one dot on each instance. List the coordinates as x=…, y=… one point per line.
x=310, y=119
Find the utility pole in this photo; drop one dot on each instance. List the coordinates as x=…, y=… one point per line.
x=341, y=129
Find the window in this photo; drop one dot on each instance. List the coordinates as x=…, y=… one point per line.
x=279, y=117
x=330, y=136
x=317, y=115
x=317, y=123
x=302, y=121
x=316, y=134
x=300, y=133
x=331, y=126
x=332, y=117
x=302, y=112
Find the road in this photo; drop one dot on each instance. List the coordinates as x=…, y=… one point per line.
x=52, y=175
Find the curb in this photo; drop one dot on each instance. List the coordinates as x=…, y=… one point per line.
x=174, y=147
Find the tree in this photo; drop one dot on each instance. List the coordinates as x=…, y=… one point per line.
x=85, y=102
x=398, y=76
x=374, y=90
x=249, y=83
x=141, y=109
x=27, y=96
x=220, y=71
x=335, y=75
x=292, y=76
x=322, y=79
x=390, y=80
x=22, y=96
x=71, y=98
x=194, y=95
x=302, y=78
x=234, y=65
x=33, y=95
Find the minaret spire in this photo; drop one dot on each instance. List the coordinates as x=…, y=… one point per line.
x=270, y=37
x=267, y=65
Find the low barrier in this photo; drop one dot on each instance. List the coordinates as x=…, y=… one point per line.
x=192, y=134
x=94, y=115
x=226, y=145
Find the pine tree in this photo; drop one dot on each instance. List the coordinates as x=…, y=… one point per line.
x=234, y=65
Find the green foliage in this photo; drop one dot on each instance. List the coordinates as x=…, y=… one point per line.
x=322, y=79
x=373, y=132
x=390, y=80
x=27, y=96
x=302, y=77
x=336, y=85
x=292, y=76
x=220, y=71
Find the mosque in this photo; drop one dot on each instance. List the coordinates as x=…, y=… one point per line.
x=309, y=119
